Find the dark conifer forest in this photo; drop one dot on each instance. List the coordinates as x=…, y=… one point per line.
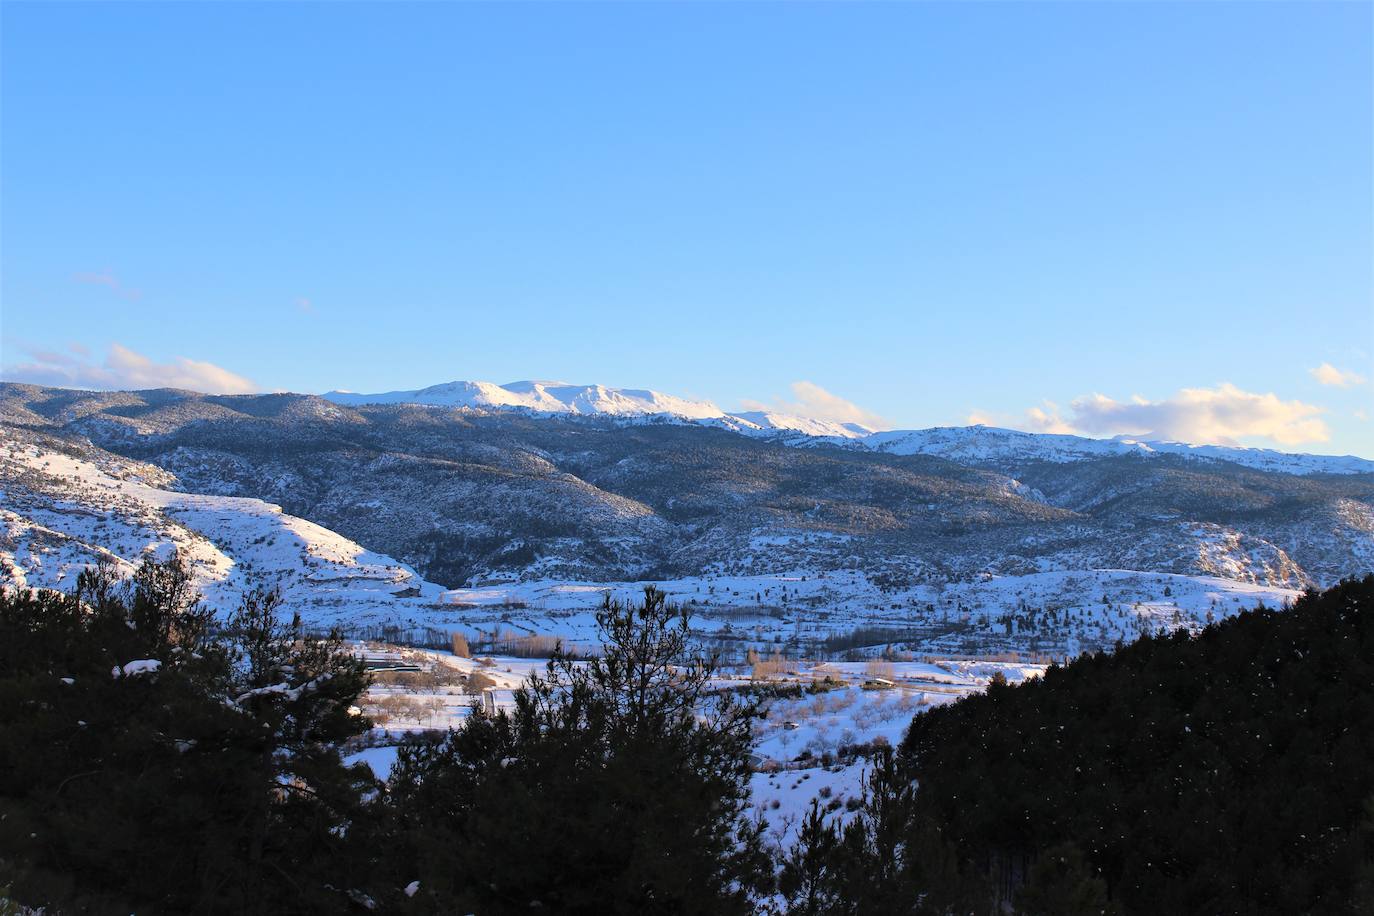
x=1231, y=772
x=158, y=758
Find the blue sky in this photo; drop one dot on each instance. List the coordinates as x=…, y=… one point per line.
x=1094, y=217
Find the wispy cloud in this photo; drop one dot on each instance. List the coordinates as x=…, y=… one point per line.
x=815, y=402
x=1204, y=416
x=108, y=280
x=982, y=418
x=305, y=305
x=124, y=368
x=1328, y=374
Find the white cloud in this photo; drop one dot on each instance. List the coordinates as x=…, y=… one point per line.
x=1328, y=374
x=1046, y=419
x=815, y=402
x=125, y=369
x=1202, y=416
x=108, y=280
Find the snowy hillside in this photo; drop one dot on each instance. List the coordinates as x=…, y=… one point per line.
x=768, y=423
x=62, y=513
x=992, y=446
x=986, y=444
x=1266, y=459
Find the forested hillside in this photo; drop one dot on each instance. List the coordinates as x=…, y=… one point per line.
x=1225, y=773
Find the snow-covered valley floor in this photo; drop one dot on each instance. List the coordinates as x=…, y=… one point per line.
x=804, y=613
x=813, y=741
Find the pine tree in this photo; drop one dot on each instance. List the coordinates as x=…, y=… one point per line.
x=140, y=770
x=604, y=792
x=1061, y=883
x=807, y=879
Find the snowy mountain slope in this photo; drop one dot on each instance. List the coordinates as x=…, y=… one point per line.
x=791, y=427
x=986, y=444
x=62, y=511
x=999, y=447
x=1265, y=459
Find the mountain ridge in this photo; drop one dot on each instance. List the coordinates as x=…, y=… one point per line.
x=598, y=400
x=981, y=443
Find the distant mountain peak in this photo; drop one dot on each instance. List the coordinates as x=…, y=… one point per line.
x=542, y=397
x=555, y=397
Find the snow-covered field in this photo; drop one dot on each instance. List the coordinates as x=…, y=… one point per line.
x=805, y=613
x=811, y=743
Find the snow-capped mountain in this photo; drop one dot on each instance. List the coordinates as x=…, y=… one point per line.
x=599, y=400
x=542, y=397
x=982, y=445
x=992, y=446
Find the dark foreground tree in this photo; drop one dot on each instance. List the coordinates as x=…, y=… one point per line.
x=1223, y=773
x=148, y=763
x=882, y=860
x=619, y=785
